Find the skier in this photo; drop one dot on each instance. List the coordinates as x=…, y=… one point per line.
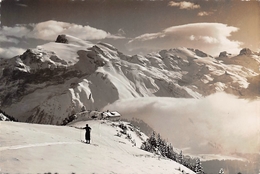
x=87, y=134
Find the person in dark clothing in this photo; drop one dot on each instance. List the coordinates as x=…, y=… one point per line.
x=87, y=134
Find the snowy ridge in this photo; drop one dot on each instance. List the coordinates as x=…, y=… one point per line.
x=53, y=81
x=34, y=148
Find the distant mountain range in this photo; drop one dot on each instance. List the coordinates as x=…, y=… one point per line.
x=53, y=81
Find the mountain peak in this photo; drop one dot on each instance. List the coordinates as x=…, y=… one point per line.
x=68, y=39
x=198, y=52
x=224, y=54
x=245, y=51
x=62, y=39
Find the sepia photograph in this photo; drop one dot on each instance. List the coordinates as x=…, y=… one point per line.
x=129, y=86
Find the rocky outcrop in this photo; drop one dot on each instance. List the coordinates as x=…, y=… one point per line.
x=245, y=51
x=224, y=54
x=62, y=39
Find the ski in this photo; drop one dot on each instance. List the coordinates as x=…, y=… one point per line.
x=88, y=143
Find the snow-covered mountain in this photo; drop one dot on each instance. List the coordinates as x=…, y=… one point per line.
x=53, y=81
x=34, y=148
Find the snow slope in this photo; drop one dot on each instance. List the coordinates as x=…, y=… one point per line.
x=32, y=148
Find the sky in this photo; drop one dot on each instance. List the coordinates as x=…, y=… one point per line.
x=132, y=26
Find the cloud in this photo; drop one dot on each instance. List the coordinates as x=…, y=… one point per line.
x=206, y=125
x=16, y=31
x=49, y=30
x=204, y=13
x=121, y=32
x=8, y=39
x=184, y=5
x=10, y=52
x=211, y=38
x=10, y=34
x=22, y=5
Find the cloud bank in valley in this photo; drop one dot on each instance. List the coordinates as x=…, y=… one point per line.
x=211, y=38
x=220, y=123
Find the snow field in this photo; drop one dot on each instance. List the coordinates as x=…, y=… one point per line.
x=33, y=148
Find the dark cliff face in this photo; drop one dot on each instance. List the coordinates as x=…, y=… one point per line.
x=245, y=51
x=62, y=39
x=224, y=54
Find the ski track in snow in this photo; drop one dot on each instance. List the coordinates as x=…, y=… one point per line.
x=34, y=145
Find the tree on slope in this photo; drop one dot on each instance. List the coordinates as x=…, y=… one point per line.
x=188, y=163
x=221, y=171
x=162, y=146
x=155, y=144
x=198, y=167
x=146, y=146
x=180, y=157
x=150, y=144
x=170, y=152
x=152, y=140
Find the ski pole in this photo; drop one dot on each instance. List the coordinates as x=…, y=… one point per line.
x=80, y=135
